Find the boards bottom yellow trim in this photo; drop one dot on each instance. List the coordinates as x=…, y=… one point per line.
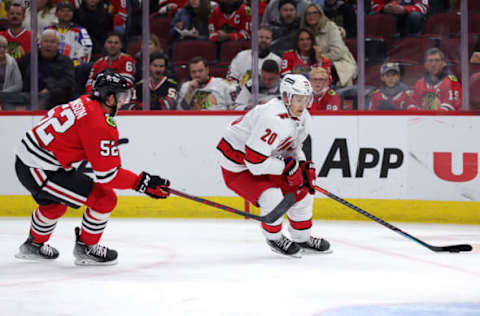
x=324, y=208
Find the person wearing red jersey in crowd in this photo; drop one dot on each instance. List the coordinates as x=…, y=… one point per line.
x=230, y=21
x=17, y=35
x=410, y=14
x=262, y=160
x=324, y=98
x=121, y=63
x=439, y=89
x=305, y=55
x=83, y=129
x=392, y=94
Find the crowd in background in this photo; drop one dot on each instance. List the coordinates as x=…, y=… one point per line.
x=200, y=52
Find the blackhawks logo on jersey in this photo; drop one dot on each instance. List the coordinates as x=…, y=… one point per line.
x=203, y=100
x=110, y=121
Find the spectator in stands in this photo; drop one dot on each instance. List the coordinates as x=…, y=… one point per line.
x=475, y=92
x=324, y=98
x=170, y=7
x=285, y=28
x=191, y=21
x=204, y=92
x=269, y=87
x=343, y=14
x=305, y=55
x=10, y=76
x=392, y=94
x=56, y=80
x=439, y=89
x=118, y=9
x=45, y=16
x=163, y=90
x=121, y=63
x=240, y=70
x=410, y=14
x=230, y=21
x=272, y=15
x=74, y=39
x=92, y=15
x=17, y=35
x=475, y=59
x=153, y=47
x=330, y=44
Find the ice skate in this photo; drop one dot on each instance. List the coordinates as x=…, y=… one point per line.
x=315, y=246
x=31, y=250
x=93, y=255
x=284, y=246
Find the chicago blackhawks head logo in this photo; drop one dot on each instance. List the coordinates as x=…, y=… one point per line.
x=110, y=121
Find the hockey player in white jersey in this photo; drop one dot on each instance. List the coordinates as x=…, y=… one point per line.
x=261, y=159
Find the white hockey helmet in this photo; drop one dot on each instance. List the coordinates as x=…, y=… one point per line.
x=293, y=84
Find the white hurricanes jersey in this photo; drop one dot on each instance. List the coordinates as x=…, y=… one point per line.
x=241, y=66
x=215, y=94
x=261, y=139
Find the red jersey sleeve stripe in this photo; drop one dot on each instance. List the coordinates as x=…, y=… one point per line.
x=254, y=157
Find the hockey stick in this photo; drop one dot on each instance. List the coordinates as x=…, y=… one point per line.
x=271, y=217
x=452, y=248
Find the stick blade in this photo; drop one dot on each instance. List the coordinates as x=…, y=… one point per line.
x=455, y=248
x=280, y=209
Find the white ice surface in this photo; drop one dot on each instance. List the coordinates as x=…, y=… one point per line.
x=221, y=267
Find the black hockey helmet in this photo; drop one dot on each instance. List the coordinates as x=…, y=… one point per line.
x=108, y=82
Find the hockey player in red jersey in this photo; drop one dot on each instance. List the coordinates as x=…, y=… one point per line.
x=439, y=89
x=261, y=159
x=83, y=129
x=324, y=98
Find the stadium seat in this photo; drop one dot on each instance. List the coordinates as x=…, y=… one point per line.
x=182, y=75
x=473, y=5
x=352, y=46
x=473, y=22
x=218, y=70
x=229, y=49
x=160, y=26
x=442, y=25
x=184, y=51
x=372, y=75
x=375, y=50
x=451, y=47
x=379, y=25
x=410, y=50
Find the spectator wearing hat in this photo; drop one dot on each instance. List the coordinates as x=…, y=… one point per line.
x=438, y=89
x=272, y=13
x=269, y=87
x=285, y=28
x=74, y=39
x=324, y=98
x=392, y=94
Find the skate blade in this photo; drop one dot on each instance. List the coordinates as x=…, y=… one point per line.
x=315, y=252
x=30, y=257
x=295, y=255
x=88, y=262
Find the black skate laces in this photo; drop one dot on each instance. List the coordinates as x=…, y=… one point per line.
x=97, y=250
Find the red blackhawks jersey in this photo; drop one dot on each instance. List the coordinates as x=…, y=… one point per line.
x=327, y=100
x=443, y=95
x=236, y=24
x=123, y=65
x=18, y=45
x=292, y=62
x=409, y=5
x=69, y=133
x=259, y=140
x=398, y=97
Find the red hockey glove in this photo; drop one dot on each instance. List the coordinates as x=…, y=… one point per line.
x=293, y=173
x=309, y=175
x=153, y=186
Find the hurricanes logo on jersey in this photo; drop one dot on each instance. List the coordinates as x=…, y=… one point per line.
x=110, y=121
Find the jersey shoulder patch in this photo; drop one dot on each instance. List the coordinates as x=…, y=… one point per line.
x=110, y=121
x=332, y=92
x=453, y=78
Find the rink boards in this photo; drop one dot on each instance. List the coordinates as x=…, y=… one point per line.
x=402, y=167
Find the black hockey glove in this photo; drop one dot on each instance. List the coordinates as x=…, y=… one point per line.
x=153, y=186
